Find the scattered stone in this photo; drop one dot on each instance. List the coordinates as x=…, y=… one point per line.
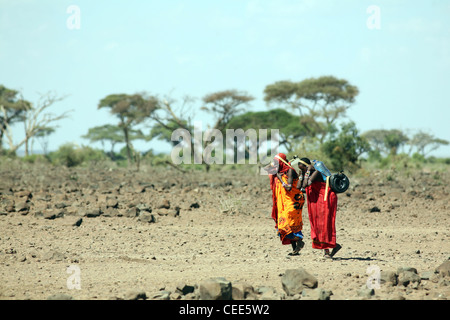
x=185, y=289
x=149, y=218
x=365, y=292
x=53, y=255
x=406, y=277
x=78, y=222
x=136, y=295
x=242, y=291
x=164, y=204
x=444, y=269
x=51, y=214
x=61, y=205
x=194, y=205
x=112, y=203
x=388, y=277
x=23, y=207
x=316, y=294
x=60, y=296
x=92, y=212
x=160, y=295
x=24, y=194
x=295, y=280
x=426, y=275
x=215, y=289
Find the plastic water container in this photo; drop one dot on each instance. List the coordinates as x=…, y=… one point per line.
x=319, y=166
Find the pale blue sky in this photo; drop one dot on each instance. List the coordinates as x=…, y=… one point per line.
x=197, y=47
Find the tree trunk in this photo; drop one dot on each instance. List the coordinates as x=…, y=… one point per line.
x=127, y=142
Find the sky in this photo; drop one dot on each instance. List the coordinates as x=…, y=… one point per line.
x=396, y=52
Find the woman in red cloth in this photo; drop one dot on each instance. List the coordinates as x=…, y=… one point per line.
x=322, y=205
x=288, y=203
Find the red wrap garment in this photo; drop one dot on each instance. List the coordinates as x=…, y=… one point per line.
x=322, y=215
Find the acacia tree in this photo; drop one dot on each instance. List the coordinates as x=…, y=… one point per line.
x=224, y=105
x=290, y=126
x=12, y=109
x=113, y=134
x=170, y=116
x=386, y=141
x=426, y=143
x=131, y=110
x=324, y=100
x=34, y=120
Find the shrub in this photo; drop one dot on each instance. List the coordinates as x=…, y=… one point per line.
x=71, y=155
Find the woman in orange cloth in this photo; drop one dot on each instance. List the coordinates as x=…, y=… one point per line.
x=288, y=203
x=322, y=205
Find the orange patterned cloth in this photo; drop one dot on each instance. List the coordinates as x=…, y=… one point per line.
x=289, y=205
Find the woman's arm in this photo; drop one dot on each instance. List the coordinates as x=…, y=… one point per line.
x=310, y=176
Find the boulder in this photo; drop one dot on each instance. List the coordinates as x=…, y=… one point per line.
x=316, y=294
x=388, y=277
x=295, y=280
x=184, y=288
x=407, y=276
x=215, y=289
x=60, y=296
x=444, y=269
x=242, y=291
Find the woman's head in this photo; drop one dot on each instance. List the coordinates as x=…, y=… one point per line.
x=280, y=160
x=303, y=164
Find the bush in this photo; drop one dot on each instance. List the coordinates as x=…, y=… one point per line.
x=71, y=155
x=35, y=158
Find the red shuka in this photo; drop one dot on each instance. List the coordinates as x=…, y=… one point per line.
x=322, y=215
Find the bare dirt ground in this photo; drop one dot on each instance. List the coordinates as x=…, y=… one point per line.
x=150, y=231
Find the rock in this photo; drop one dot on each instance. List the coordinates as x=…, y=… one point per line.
x=407, y=277
x=444, y=269
x=426, y=275
x=185, y=289
x=365, y=292
x=164, y=204
x=53, y=255
x=168, y=212
x=374, y=209
x=132, y=212
x=316, y=294
x=388, y=277
x=215, y=289
x=242, y=291
x=92, y=212
x=295, y=280
x=149, y=218
x=111, y=212
x=194, y=205
x=112, y=203
x=24, y=194
x=51, y=214
x=270, y=293
x=61, y=205
x=60, y=296
x=160, y=295
x=23, y=207
x=136, y=295
x=78, y=222
x=411, y=269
